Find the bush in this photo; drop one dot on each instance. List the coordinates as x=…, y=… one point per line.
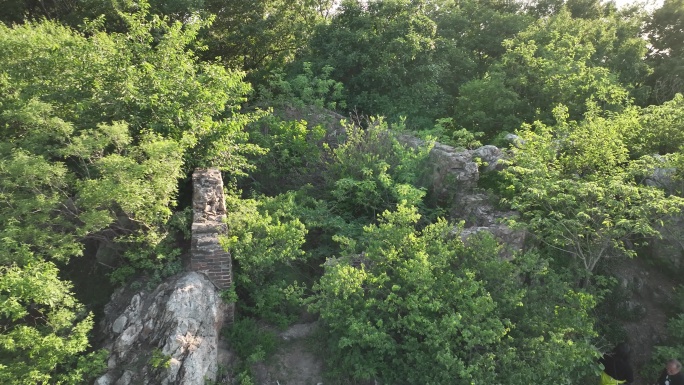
x=294, y=154
x=372, y=171
x=265, y=239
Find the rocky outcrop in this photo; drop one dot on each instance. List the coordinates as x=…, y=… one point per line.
x=166, y=336
x=455, y=174
x=171, y=335
x=452, y=180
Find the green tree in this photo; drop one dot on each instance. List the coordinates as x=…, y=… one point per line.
x=585, y=9
x=551, y=329
x=43, y=328
x=406, y=306
x=265, y=240
x=303, y=89
x=666, y=37
x=579, y=192
x=475, y=31
x=147, y=77
x=397, y=311
x=96, y=131
x=262, y=35
x=477, y=113
x=112, y=121
x=557, y=60
x=68, y=11
x=372, y=171
x=553, y=62
x=660, y=129
x=294, y=157
x=470, y=37
x=383, y=52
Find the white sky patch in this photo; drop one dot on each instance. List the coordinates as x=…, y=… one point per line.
x=648, y=4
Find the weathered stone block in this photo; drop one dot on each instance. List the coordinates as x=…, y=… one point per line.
x=209, y=213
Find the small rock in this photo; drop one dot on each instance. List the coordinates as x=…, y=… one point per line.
x=119, y=325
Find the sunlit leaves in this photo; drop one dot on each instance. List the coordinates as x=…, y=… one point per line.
x=33, y=192
x=96, y=130
x=395, y=305
x=372, y=171
x=578, y=190
x=42, y=325
x=265, y=240
x=408, y=306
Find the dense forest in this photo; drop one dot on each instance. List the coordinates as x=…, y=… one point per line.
x=107, y=107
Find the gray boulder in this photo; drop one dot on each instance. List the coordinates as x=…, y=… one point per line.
x=452, y=179
x=167, y=336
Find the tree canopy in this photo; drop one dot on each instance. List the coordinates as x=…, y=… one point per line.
x=106, y=108
x=578, y=190
x=97, y=131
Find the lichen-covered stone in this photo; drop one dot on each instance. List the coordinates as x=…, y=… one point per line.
x=170, y=336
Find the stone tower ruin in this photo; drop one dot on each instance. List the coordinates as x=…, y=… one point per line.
x=208, y=216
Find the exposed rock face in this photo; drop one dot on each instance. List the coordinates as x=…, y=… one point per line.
x=167, y=336
x=171, y=335
x=454, y=173
x=453, y=179
x=489, y=156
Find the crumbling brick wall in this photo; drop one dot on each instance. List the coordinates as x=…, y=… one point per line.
x=209, y=213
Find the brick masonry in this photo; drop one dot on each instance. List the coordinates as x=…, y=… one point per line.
x=208, y=223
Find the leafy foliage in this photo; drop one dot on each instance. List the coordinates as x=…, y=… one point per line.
x=264, y=34
x=112, y=120
x=673, y=347
x=265, y=240
x=552, y=62
x=100, y=128
x=383, y=54
x=304, y=89
x=667, y=50
x=660, y=128
x=579, y=192
x=447, y=132
x=96, y=132
x=252, y=342
x=405, y=306
x=42, y=328
x=476, y=111
x=373, y=171
x=294, y=157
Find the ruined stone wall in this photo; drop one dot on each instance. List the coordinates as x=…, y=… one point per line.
x=209, y=213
